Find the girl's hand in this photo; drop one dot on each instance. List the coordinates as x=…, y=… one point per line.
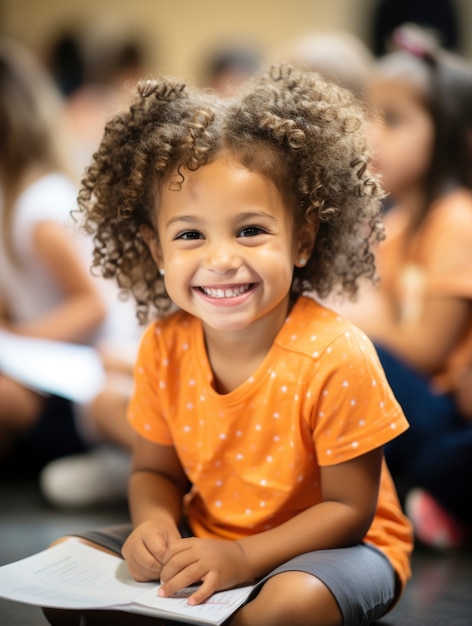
x=216, y=563
x=145, y=548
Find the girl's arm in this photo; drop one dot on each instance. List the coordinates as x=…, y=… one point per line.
x=350, y=492
x=156, y=491
x=82, y=309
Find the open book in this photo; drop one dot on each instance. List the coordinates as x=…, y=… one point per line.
x=72, y=575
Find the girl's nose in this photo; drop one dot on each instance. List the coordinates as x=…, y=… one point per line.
x=221, y=258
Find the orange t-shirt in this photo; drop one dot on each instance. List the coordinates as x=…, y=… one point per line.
x=253, y=455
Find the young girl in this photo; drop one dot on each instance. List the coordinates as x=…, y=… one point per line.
x=46, y=290
x=422, y=324
x=260, y=414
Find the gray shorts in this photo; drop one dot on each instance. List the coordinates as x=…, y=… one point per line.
x=360, y=577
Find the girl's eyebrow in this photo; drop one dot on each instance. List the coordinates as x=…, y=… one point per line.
x=182, y=218
x=248, y=215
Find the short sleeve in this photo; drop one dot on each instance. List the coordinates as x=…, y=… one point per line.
x=356, y=410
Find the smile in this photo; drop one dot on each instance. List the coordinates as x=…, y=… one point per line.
x=226, y=292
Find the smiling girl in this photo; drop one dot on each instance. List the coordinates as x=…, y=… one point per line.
x=260, y=414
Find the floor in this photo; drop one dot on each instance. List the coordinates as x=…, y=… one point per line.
x=439, y=594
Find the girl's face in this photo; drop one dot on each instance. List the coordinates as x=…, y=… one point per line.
x=228, y=246
x=403, y=138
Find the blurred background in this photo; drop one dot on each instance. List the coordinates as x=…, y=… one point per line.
x=177, y=37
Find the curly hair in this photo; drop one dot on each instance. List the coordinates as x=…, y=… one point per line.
x=305, y=134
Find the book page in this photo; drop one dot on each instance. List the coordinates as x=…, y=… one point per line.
x=75, y=576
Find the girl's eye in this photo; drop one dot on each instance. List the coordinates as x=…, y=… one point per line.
x=189, y=235
x=392, y=119
x=250, y=231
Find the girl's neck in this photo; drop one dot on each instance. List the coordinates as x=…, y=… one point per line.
x=235, y=356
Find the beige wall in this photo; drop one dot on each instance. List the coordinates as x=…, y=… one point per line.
x=179, y=32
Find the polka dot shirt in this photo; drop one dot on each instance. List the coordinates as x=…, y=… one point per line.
x=253, y=455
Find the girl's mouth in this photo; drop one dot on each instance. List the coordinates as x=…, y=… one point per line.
x=229, y=291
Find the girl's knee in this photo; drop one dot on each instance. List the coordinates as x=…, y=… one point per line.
x=295, y=598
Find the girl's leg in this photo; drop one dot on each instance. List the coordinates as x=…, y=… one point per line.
x=355, y=586
x=294, y=598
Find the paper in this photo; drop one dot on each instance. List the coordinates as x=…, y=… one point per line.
x=72, y=575
x=69, y=370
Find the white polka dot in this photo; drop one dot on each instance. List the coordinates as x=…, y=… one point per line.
x=269, y=459
x=393, y=426
x=187, y=429
x=329, y=452
x=219, y=483
x=240, y=456
x=355, y=444
x=191, y=382
x=218, y=503
x=258, y=427
x=185, y=346
x=283, y=389
x=313, y=338
x=262, y=504
x=222, y=435
x=189, y=406
x=315, y=354
x=162, y=384
x=248, y=511
x=273, y=374
x=276, y=416
x=345, y=383
x=263, y=482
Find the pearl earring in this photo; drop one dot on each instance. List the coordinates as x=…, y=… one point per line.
x=302, y=262
x=162, y=271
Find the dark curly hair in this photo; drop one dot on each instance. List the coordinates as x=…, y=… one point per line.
x=305, y=134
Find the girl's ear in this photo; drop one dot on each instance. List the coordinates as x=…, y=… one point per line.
x=306, y=237
x=150, y=239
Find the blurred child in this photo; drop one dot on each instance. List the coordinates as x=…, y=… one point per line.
x=271, y=407
x=338, y=56
x=46, y=290
x=421, y=316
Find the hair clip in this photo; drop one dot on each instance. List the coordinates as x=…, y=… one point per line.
x=417, y=43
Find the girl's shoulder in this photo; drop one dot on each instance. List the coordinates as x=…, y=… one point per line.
x=314, y=327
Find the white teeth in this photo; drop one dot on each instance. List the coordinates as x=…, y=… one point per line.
x=226, y=293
